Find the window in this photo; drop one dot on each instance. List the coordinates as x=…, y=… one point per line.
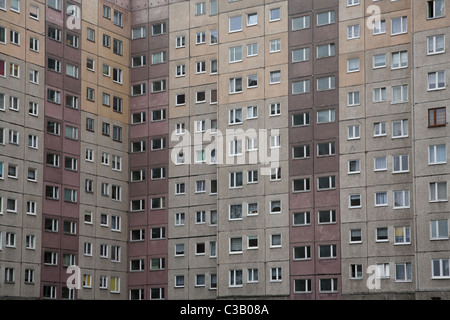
x=381, y=199
x=300, y=55
x=353, y=32
x=118, y=18
x=117, y=75
x=52, y=160
x=379, y=129
x=72, y=71
x=72, y=40
x=252, y=49
x=353, y=132
x=158, y=86
x=403, y=272
x=327, y=251
x=235, y=212
x=114, y=285
x=90, y=34
x=275, y=45
x=301, y=218
x=302, y=285
x=14, y=103
x=117, y=47
x=300, y=152
x=302, y=253
x=355, y=236
x=54, y=65
x=353, y=65
x=379, y=94
x=325, y=18
x=52, y=192
x=437, y=154
x=54, y=33
x=252, y=19
x=379, y=61
x=274, y=14
x=275, y=77
x=2, y=33
x=34, y=44
x=326, y=50
x=437, y=117
x=158, y=57
x=14, y=70
x=436, y=9
x=399, y=59
x=436, y=44
x=235, y=85
x=235, y=24
x=326, y=183
x=71, y=133
x=235, y=116
x=31, y=207
x=275, y=206
x=352, y=3
x=275, y=110
x=275, y=240
x=327, y=216
x=200, y=97
x=138, y=33
x=399, y=25
x=252, y=176
x=236, y=179
x=440, y=267
x=235, y=245
x=106, y=41
x=200, y=38
x=300, y=87
x=400, y=164
x=301, y=185
x=14, y=37
x=158, y=203
x=200, y=8
x=54, y=4
x=53, y=96
x=213, y=7
x=235, y=54
x=138, y=89
x=158, y=144
x=402, y=235
x=235, y=278
x=400, y=129
x=252, y=112
x=400, y=94
x=438, y=191
x=354, y=201
x=90, y=94
x=401, y=199
x=11, y=205
x=137, y=205
x=70, y=163
x=326, y=83
x=300, y=23
x=117, y=133
x=438, y=229
x=13, y=137
x=326, y=149
x=436, y=80
x=354, y=166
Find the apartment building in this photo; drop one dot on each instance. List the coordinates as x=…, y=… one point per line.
x=314, y=150
x=430, y=61
x=258, y=149
x=22, y=138
x=376, y=161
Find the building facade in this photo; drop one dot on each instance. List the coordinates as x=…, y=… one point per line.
x=257, y=149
